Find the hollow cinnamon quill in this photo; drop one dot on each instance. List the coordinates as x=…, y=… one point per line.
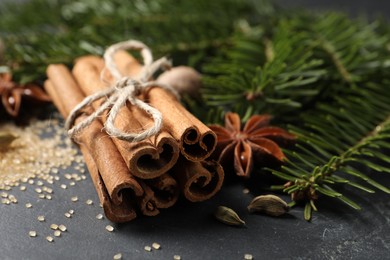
x=198, y=181
x=146, y=159
x=197, y=141
x=95, y=144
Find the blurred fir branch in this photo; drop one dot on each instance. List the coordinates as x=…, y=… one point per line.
x=289, y=66
x=40, y=32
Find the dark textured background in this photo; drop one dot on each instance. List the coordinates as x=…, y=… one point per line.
x=189, y=230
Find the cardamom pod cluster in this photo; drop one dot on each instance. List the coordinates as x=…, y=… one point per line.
x=269, y=204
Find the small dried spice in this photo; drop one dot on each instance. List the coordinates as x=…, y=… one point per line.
x=269, y=204
x=32, y=233
x=118, y=256
x=228, y=216
x=6, y=139
x=12, y=93
x=240, y=148
x=109, y=228
x=148, y=248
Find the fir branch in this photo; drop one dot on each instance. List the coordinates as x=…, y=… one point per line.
x=301, y=60
x=359, y=125
x=66, y=30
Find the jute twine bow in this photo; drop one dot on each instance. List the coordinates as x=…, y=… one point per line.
x=125, y=89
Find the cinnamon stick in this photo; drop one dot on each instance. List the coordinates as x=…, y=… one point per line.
x=198, y=181
x=166, y=191
x=146, y=159
x=197, y=141
x=117, y=213
x=112, y=169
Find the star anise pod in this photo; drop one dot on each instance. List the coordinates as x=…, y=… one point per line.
x=12, y=94
x=242, y=148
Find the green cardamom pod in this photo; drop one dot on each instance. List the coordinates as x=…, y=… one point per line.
x=228, y=216
x=6, y=138
x=269, y=204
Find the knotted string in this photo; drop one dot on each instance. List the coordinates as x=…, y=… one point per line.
x=125, y=89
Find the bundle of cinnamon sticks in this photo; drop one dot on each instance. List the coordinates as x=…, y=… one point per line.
x=137, y=177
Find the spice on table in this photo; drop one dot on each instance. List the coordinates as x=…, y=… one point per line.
x=13, y=93
x=269, y=204
x=240, y=148
x=6, y=139
x=228, y=216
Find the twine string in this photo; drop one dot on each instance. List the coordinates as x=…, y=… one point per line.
x=125, y=89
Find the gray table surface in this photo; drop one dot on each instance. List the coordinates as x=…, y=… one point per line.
x=189, y=229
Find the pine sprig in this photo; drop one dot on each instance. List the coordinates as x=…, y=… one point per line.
x=68, y=29
x=338, y=141
x=262, y=75
x=295, y=63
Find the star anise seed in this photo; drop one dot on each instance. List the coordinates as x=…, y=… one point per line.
x=243, y=148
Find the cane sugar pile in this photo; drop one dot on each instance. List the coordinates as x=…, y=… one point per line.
x=39, y=152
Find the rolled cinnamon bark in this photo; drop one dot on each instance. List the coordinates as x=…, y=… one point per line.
x=117, y=213
x=197, y=141
x=198, y=181
x=166, y=190
x=147, y=159
x=113, y=170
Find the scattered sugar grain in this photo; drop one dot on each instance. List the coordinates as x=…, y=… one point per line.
x=156, y=246
x=74, y=199
x=48, y=197
x=245, y=191
x=49, y=239
x=63, y=186
x=248, y=257
x=32, y=233
x=99, y=216
x=176, y=257
x=57, y=233
x=68, y=215
x=28, y=205
x=72, y=183
x=109, y=228
x=71, y=211
x=62, y=228
x=89, y=202
x=41, y=218
x=148, y=248
x=22, y=188
x=54, y=226
x=118, y=256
